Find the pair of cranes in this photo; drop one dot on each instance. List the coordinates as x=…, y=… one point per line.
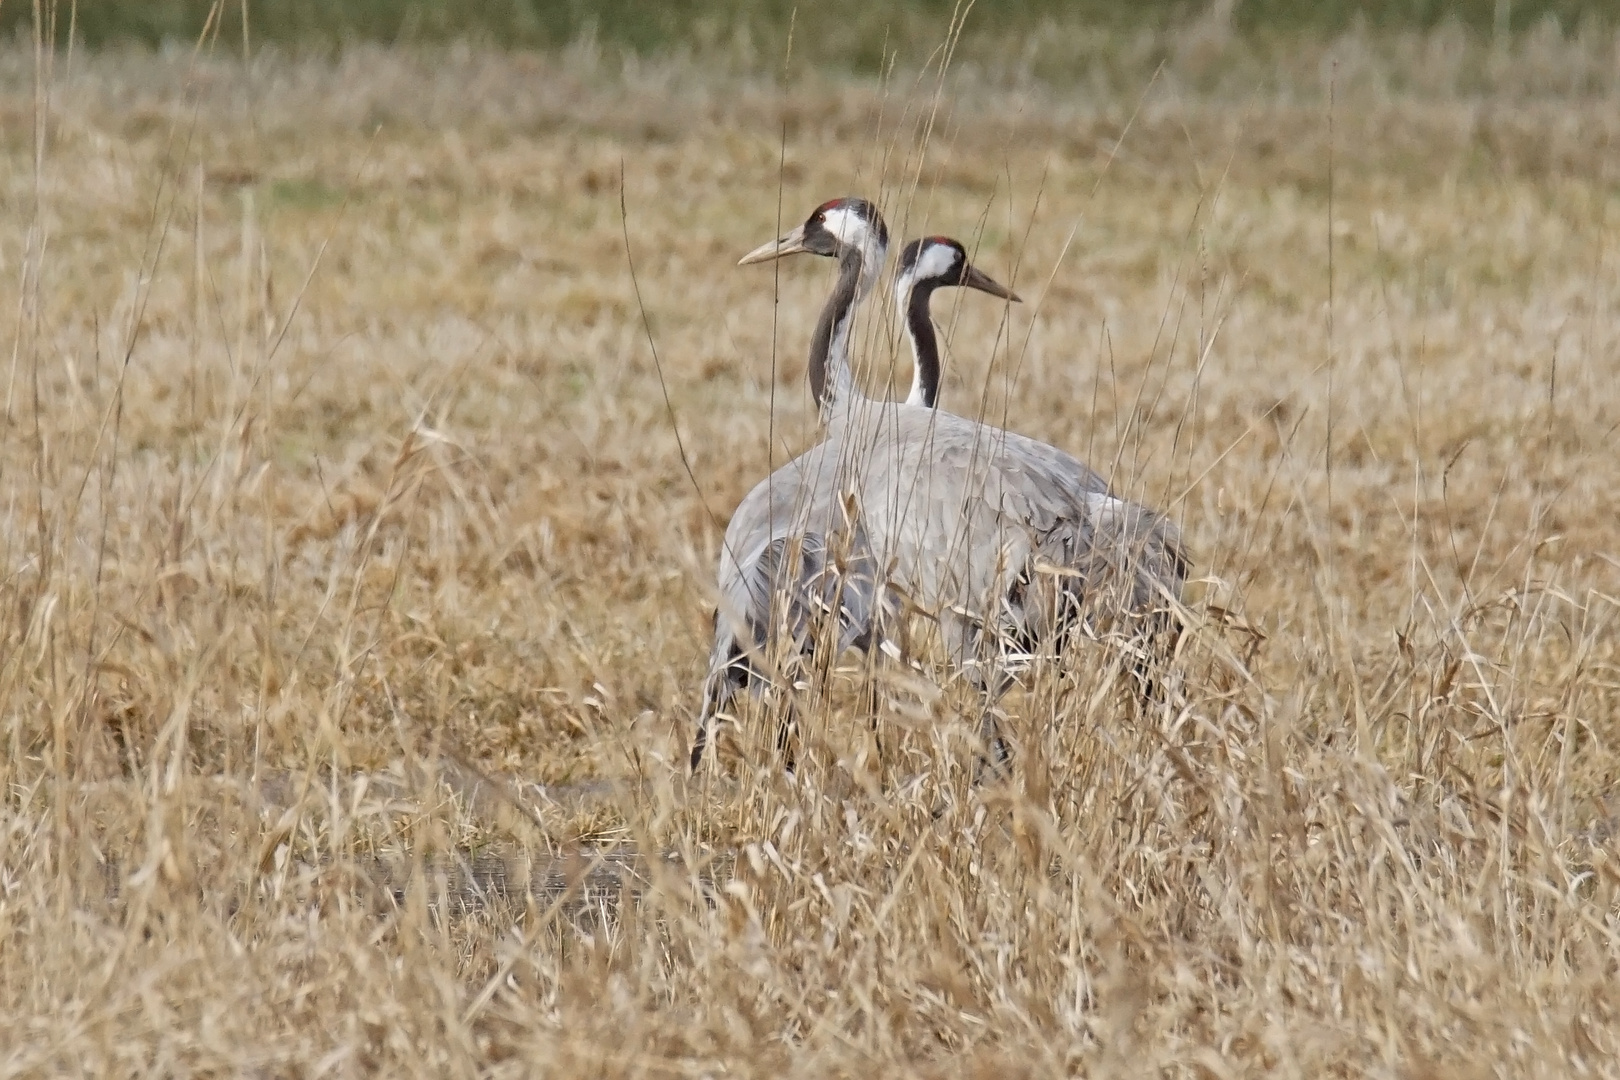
x=1010, y=544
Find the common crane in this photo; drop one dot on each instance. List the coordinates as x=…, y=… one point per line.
x=926, y=265
x=790, y=552
x=1008, y=542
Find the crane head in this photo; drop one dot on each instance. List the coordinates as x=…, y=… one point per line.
x=939, y=261
x=835, y=227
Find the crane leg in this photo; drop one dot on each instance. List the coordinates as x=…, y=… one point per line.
x=786, y=732
x=998, y=752
x=699, y=741
x=873, y=708
x=1149, y=669
x=998, y=755
x=721, y=687
x=711, y=717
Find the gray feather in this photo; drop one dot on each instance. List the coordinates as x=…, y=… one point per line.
x=991, y=532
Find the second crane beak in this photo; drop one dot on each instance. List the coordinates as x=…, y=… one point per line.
x=791, y=244
x=973, y=279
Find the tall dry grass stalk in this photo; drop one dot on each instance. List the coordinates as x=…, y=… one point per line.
x=353, y=594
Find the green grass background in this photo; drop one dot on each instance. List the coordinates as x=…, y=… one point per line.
x=836, y=33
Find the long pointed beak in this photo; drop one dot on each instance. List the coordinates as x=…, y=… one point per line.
x=973, y=279
x=790, y=244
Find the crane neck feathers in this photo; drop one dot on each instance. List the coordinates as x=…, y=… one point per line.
x=831, y=380
x=925, y=371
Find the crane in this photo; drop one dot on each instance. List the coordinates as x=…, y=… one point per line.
x=790, y=554
x=1007, y=542
x=926, y=265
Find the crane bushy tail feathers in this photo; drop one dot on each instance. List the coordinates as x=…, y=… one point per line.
x=1117, y=573
x=1114, y=573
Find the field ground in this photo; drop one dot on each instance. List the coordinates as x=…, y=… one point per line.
x=349, y=567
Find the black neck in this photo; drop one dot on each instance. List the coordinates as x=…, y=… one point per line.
x=834, y=317
x=924, y=345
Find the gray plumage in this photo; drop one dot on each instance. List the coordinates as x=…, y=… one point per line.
x=1008, y=542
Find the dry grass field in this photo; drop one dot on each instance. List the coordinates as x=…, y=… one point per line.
x=354, y=595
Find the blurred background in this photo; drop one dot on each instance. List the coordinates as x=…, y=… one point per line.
x=840, y=34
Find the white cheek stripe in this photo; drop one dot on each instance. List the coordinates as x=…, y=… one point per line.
x=846, y=225
x=937, y=260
